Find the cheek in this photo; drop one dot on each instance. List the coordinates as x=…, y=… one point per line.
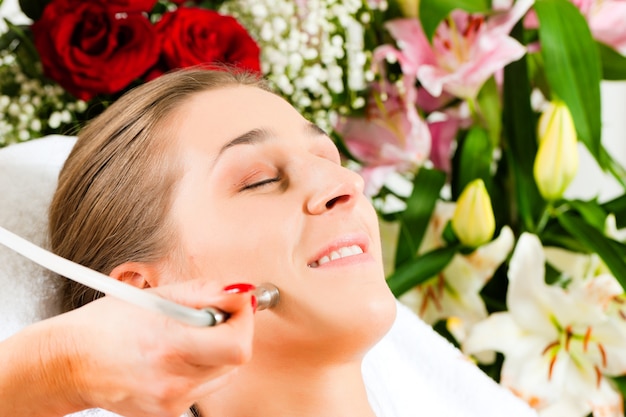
x=243, y=244
x=368, y=213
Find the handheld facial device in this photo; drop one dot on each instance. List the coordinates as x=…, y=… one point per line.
x=267, y=294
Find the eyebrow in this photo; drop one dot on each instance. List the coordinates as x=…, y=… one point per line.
x=258, y=135
x=251, y=137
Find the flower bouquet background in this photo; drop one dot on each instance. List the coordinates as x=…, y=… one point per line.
x=464, y=118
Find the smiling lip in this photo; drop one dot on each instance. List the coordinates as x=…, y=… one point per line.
x=343, y=248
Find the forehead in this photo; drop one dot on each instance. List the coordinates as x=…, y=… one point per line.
x=217, y=116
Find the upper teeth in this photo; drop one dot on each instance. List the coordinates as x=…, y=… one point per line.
x=337, y=254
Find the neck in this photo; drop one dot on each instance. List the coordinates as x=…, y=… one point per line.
x=285, y=391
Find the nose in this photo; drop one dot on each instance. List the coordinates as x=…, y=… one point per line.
x=332, y=187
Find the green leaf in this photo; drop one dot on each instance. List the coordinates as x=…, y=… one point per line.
x=7, y=38
x=617, y=206
x=572, y=66
x=614, y=167
x=448, y=235
x=537, y=74
x=520, y=140
x=22, y=33
x=420, y=269
x=591, y=211
x=432, y=12
x=553, y=276
x=420, y=206
x=620, y=383
x=490, y=109
x=33, y=8
x=563, y=240
x=613, y=63
x=595, y=241
x=475, y=160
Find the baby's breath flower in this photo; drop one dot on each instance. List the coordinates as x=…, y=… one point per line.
x=30, y=107
x=55, y=120
x=312, y=52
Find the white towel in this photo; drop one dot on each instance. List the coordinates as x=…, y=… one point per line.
x=28, y=175
x=412, y=372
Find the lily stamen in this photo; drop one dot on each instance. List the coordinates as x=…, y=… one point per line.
x=568, y=337
x=586, y=339
x=598, y=376
x=603, y=354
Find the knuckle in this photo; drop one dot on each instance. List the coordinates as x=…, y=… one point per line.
x=169, y=399
x=241, y=353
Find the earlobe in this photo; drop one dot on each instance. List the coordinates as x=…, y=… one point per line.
x=136, y=274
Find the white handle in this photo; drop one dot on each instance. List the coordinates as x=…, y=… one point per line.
x=108, y=285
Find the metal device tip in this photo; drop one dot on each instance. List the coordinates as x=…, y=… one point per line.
x=267, y=295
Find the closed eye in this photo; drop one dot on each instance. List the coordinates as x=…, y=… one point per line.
x=260, y=184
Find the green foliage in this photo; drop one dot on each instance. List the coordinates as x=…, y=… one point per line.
x=432, y=12
x=33, y=8
x=414, y=220
x=613, y=64
x=572, y=66
x=419, y=269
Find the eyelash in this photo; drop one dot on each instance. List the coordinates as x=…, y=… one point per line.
x=260, y=183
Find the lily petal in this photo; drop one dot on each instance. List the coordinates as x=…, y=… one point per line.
x=526, y=299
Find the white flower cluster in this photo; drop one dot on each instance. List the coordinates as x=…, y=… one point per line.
x=312, y=52
x=30, y=108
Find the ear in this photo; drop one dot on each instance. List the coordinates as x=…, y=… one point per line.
x=137, y=274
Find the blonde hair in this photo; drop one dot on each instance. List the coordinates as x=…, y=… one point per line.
x=115, y=190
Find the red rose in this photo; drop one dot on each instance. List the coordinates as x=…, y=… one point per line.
x=89, y=49
x=192, y=36
x=130, y=5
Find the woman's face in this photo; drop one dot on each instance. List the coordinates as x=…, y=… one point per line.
x=264, y=198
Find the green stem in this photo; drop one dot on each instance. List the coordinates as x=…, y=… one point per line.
x=473, y=108
x=545, y=216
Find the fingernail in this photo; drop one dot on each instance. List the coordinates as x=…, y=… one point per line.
x=238, y=288
x=254, y=302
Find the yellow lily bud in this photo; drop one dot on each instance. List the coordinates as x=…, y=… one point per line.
x=473, y=221
x=409, y=7
x=556, y=162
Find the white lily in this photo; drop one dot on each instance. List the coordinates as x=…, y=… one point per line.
x=559, y=345
x=576, y=268
x=611, y=229
x=454, y=293
x=589, y=274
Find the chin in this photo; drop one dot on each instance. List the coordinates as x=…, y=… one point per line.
x=335, y=326
x=365, y=319
x=369, y=310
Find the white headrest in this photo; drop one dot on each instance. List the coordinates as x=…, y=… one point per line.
x=28, y=176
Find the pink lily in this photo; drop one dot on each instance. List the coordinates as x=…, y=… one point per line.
x=467, y=49
x=606, y=21
x=443, y=133
x=390, y=138
x=444, y=127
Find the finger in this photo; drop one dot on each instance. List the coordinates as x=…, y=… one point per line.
x=226, y=343
x=199, y=294
x=232, y=303
x=195, y=293
x=213, y=382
